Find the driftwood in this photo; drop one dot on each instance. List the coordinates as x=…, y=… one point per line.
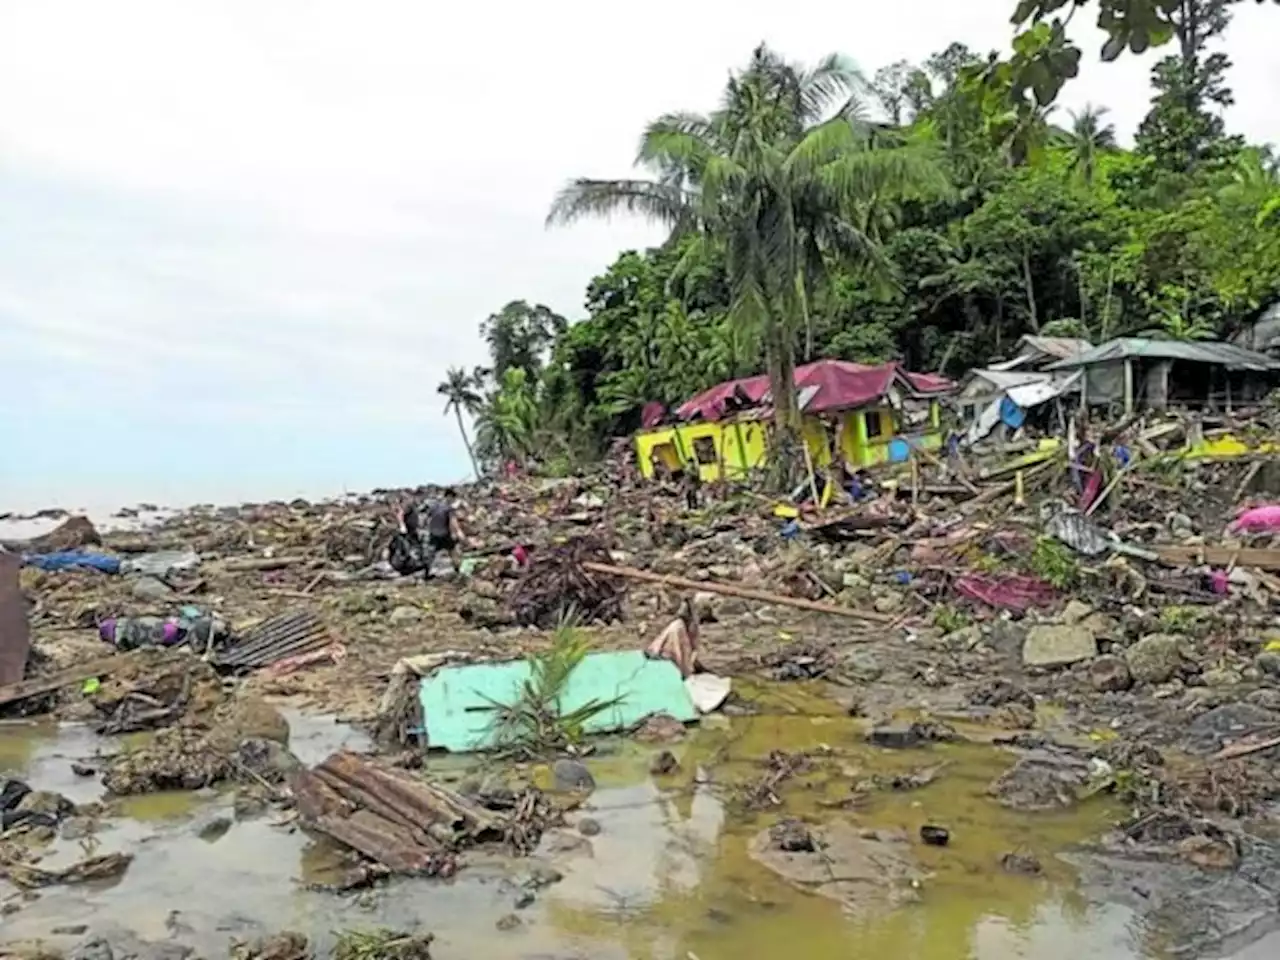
x=30, y=876
x=1261, y=557
x=408, y=825
x=65, y=678
x=729, y=590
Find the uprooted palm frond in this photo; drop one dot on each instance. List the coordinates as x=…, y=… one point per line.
x=535, y=724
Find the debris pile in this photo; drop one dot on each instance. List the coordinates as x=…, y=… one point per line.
x=557, y=587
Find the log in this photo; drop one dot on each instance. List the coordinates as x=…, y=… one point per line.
x=262, y=563
x=39, y=686
x=729, y=590
x=1261, y=557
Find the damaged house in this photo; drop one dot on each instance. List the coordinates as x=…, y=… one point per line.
x=1009, y=392
x=1133, y=373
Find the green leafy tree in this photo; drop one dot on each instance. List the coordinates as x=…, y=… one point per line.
x=1089, y=138
x=461, y=392
x=519, y=336
x=776, y=178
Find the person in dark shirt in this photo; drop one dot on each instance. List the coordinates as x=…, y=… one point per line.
x=442, y=533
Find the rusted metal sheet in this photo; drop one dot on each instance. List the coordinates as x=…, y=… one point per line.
x=15, y=631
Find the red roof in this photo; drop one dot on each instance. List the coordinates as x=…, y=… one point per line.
x=834, y=385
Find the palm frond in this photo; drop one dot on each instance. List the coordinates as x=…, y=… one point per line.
x=668, y=204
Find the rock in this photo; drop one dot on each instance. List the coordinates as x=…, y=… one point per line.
x=791, y=836
x=95, y=948
x=1110, y=674
x=83, y=769
x=525, y=898
x=1058, y=646
x=1269, y=663
x=509, y=922
x=1023, y=864
x=660, y=728
x=1221, y=677
x=286, y=945
x=77, y=828
x=999, y=692
x=542, y=877
x=248, y=718
x=863, y=667
x=1006, y=637
x=897, y=736
x=213, y=829
x=1101, y=626
x=1075, y=612
x=1041, y=781
x=889, y=603
x=868, y=877
x=589, y=827
x=46, y=804
x=1214, y=729
x=405, y=615
x=966, y=638
x=1208, y=853
x=1155, y=658
x=664, y=764
x=572, y=775
x=269, y=759
x=559, y=843
x=151, y=590
x=1266, y=699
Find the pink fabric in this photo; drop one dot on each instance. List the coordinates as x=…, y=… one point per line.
x=1258, y=520
x=840, y=385
x=1008, y=593
x=677, y=644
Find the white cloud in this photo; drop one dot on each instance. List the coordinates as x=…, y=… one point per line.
x=309, y=201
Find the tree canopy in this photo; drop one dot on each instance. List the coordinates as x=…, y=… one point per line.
x=931, y=214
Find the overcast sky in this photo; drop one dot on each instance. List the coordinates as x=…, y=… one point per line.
x=243, y=239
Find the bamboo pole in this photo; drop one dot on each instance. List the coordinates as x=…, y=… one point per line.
x=729, y=590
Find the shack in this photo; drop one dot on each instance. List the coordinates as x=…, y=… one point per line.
x=866, y=414
x=1133, y=372
x=1034, y=352
x=989, y=397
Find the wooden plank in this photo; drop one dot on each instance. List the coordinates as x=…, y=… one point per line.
x=1260, y=557
x=15, y=631
x=65, y=678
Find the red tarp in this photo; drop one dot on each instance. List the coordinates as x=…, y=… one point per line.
x=836, y=385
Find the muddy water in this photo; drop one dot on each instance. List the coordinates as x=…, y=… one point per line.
x=667, y=878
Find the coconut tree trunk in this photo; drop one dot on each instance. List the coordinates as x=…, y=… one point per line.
x=785, y=456
x=462, y=428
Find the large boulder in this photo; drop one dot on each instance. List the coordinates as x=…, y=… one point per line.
x=1156, y=658
x=1050, y=645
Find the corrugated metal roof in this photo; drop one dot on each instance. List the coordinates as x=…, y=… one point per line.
x=1209, y=351
x=1062, y=347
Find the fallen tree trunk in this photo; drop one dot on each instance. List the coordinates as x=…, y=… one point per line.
x=65, y=678
x=729, y=590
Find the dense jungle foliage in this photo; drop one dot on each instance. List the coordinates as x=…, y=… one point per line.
x=931, y=213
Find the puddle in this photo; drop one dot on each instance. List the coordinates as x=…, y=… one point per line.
x=668, y=877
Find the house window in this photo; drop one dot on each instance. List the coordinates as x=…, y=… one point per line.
x=875, y=424
x=704, y=448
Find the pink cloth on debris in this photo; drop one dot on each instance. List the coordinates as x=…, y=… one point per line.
x=1258, y=520
x=1010, y=593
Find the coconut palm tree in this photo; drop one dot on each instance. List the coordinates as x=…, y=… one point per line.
x=461, y=392
x=778, y=179
x=1090, y=137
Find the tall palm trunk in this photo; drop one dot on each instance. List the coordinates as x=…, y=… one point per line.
x=462, y=428
x=785, y=457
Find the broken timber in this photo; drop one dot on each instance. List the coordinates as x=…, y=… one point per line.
x=729, y=590
x=1259, y=557
x=407, y=825
x=64, y=678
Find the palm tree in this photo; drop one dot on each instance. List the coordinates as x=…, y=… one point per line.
x=1088, y=139
x=777, y=178
x=461, y=393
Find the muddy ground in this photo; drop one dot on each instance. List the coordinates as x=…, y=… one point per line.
x=1070, y=750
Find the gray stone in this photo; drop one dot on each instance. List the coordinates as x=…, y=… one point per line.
x=889, y=603
x=1222, y=677
x=863, y=667
x=403, y=616
x=95, y=948
x=1268, y=663
x=151, y=590
x=1075, y=612
x=572, y=775
x=1155, y=658
x=1058, y=646
x=589, y=827
x=1110, y=674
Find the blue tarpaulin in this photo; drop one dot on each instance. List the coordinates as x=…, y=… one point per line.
x=458, y=702
x=71, y=559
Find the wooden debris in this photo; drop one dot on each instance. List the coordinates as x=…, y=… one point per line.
x=1262, y=558
x=29, y=876
x=15, y=632
x=729, y=590
x=65, y=678
x=408, y=825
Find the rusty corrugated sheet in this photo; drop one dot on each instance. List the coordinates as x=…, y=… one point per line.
x=15, y=633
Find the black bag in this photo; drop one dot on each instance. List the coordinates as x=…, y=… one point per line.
x=404, y=553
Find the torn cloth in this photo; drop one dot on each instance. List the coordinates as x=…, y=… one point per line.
x=677, y=643
x=1006, y=593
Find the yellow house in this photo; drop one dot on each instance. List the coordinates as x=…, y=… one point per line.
x=870, y=415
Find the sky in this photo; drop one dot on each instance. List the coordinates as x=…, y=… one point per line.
x=243, y=240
